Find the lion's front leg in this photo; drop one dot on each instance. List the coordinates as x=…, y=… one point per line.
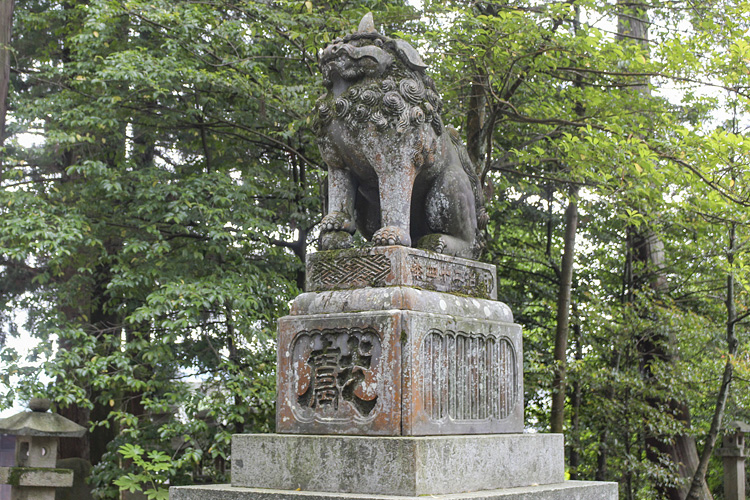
x=338, y=225
x=395, y=186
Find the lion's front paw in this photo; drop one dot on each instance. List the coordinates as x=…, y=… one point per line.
x=337, y=221
x=335, y=240
x=391, y=235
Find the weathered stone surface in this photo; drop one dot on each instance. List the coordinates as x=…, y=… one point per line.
x=569, y=490
x=31, y=476
x=33, y=493
x=398, y=297
x=399, y=266
x=37, y=423
x=396, y=465
x=460, y=376
x=340, y=373
x=36, y=451
x=399, y=372
x=390, y=160
x=733, y=453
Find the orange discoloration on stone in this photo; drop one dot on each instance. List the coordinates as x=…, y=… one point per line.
x=416, y=363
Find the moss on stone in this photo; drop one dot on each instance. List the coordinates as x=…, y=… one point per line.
x=430, y=242
x=17, y=473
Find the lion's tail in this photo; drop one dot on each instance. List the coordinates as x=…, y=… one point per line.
x=476, y=187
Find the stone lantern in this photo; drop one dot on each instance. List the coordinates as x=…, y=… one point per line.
x=37, y=434
x=733, y=453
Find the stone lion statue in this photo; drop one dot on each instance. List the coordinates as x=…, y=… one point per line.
x=395, y=172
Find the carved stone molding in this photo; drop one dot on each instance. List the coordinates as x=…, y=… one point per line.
x=399, y=266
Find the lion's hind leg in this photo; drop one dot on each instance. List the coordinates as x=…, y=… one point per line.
x=451, y=216
x=338, y=226
x=446, y=244
x=337, y=221
x=336, y=230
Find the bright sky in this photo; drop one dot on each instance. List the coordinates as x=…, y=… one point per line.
x=23, y=344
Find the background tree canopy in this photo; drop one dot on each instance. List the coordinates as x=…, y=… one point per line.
x=161, y=184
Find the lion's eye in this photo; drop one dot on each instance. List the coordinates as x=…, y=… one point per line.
x=378, y=42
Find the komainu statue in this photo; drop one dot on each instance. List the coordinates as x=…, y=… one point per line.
x=395, y=172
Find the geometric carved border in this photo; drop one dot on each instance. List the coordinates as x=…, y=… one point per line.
x=352, y=272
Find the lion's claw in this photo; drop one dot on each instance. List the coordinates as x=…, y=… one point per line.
x=391, y=235
x=337, y=221
x=433, y=242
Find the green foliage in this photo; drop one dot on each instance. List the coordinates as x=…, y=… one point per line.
x=155, y=230
x=155, y=469
x=632, y=127
x=157, y=227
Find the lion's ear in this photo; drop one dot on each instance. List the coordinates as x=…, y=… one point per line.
x=410, y=55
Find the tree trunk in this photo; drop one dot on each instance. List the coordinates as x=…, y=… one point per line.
x=576, y=400
x=299, y=247
x=6, y=29
x=75, y=447
x=563, y=315
x=476, y=129
x=658, y=346
x=648, y=250
x=699, y=478
x=239, y=425
x=100, y=324
x=557, y=418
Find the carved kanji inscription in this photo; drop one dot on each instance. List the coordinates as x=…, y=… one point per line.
x=335, y=374
x=437, y=274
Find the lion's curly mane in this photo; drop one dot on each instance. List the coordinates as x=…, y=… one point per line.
x=403, y=97
x=399, y=99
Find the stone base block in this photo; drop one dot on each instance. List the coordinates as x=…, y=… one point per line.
x=400, y=372
x=408, y=466
x=568, y=490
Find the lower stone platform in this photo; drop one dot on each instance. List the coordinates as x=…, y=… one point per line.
x=404, y=466
x=568, y=490
x=471, y=467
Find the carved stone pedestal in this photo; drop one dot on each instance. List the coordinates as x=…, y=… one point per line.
x=391, y=359
x=398, y=371
x=399, y=376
